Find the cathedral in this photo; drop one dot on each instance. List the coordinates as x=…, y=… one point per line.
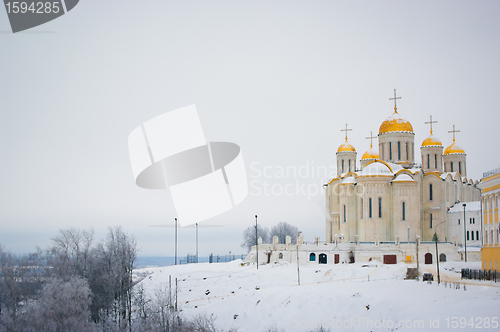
x=391, y=197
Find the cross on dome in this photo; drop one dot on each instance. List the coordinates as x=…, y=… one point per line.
x=431, y=122
x=454, y=131
x=395, y=98
x=371, y=139
x=346, y=130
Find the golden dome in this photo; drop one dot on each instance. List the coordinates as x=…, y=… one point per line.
x=454, y=149
x=370, y=154
x=346, y=147
x=431, y=141
x=394, y=124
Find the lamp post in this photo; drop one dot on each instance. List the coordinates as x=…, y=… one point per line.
x=437, y=253
x=256, y=243
x=465, y=233
x=175, y=263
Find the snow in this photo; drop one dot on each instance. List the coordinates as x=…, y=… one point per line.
x=247, y=299
x=375, y=168
x=403, y=178
x=469, y=207
x=349, y=180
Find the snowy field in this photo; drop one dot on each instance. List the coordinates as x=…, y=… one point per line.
x=339, y=297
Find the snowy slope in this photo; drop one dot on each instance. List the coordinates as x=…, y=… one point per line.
x=341, y=297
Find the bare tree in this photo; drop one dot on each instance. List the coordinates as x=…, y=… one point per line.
x=282, y=230
x=249, y=239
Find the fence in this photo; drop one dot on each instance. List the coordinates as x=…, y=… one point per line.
x=480, y=274
x=224, y=258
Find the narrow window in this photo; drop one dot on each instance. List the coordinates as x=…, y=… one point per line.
x=435, y=161
x=345, y=218
x=380, y=207
x=349, y=169
x=343, y=166
x=470, y=221
x=459, y=167
x=390, y=150
x=404, y=211
x=428, y=161
x=459, y=221
x=467, y=235
x=407, y=155
x=472, y=235
x=361, y=208
x=485, y=237
x=477, y=235
x=430, y=192
x=430, y=224
x=452, y=166
x=370, y=207
x=399, y=150
x=312, y=257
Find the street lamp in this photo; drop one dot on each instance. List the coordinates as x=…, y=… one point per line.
x=175, y=241
x=465, y=233
x=256, y=243
x=196, y=242
x=437, y=253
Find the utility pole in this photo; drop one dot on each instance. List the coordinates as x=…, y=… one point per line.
x=298, y=269
x=196, y=242
x=256, y=243
x=418, y=263
x=175, y=241
x=465, y=231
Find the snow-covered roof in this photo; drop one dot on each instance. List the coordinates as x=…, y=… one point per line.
x=349, y=180
x=402, y=177
x=375, y=168
x=469, y=207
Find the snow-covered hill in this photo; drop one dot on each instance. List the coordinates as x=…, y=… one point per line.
x=340, y=297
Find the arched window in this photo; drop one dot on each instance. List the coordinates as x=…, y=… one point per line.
x=430, y=221
x=399, y=150
x=430, y=192
x=343, y=166
x=428, y=161
x=380, y=207
x=345, y=217
x=452, y=166
x=404, y=211
x=370, y=207
x=472, y=235
x=477, y=235
x=459, y=167
x=280, y=255
x=435, y=161
x=407, y=154
x=390, y=150
x=312, y=257
x=467, y=235
x=349, y=169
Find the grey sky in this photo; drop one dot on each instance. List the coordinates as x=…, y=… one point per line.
x=278, y=78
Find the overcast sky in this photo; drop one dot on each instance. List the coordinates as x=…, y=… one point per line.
x=278, y=78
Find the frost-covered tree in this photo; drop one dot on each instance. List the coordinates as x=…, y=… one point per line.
x=282, y=230
x=62, y=306
x=249, y=239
